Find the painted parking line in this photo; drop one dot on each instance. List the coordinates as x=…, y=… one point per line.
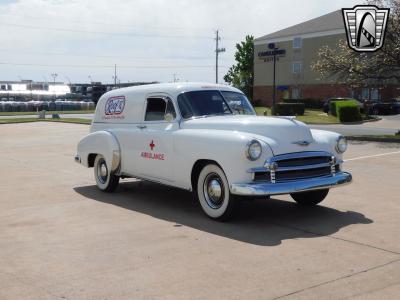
x=371, y=156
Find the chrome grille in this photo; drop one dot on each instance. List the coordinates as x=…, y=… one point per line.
x=295, y=166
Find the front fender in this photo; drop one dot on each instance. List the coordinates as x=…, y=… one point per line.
x=227, y=148
x=100, y=142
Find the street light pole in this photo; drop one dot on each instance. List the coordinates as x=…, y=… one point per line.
x=274, y=83
x=54, y=75
x=274, y=49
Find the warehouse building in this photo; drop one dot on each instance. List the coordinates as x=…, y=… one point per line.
x=297, y=47
x=28, y=90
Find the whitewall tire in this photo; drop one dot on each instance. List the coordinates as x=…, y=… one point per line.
x=105, y=180
x=214, y=195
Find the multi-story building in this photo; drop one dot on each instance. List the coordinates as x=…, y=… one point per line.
x=298, y=46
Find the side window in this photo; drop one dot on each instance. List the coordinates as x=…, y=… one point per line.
x=170, y=109
x=159, y=109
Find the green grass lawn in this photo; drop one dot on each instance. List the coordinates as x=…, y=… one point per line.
x=62, y=120
x=24, y=113
x=311, y=116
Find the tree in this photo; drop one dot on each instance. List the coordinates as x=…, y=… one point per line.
x=358, y=69
x=241, y=75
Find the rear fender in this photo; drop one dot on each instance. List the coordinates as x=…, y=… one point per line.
x=104, y=143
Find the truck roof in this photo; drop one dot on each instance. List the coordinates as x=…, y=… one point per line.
x=174, y=88
x=134, y=98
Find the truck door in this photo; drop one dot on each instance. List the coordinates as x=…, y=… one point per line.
x=155, y=141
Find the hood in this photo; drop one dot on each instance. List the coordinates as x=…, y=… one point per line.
x=284, y=130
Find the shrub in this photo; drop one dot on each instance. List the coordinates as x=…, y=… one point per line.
x=333, y=107
x=308, y=103
x=261, y=111
x=290, y=109
x=348, y=111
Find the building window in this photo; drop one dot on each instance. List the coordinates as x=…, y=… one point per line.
x=295, y=93
x=365, y=93
x=374, y=94
x=297, y=43
x=296, y=67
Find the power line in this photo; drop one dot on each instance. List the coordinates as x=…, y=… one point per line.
x=149, y=35
x=109, y=66
x=116, y=24
x=97, y=56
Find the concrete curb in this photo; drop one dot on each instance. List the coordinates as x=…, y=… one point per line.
x=362, y=122
x=373, y=139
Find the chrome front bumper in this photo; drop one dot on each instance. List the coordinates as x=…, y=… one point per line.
x=289, y=187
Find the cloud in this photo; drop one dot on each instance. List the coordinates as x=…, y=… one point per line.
x=169, y=35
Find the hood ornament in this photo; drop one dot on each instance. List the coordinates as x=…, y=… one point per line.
x=302, y=143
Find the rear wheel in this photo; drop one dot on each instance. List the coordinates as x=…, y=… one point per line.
x=214, y=195
x=105, y=179
x=310, y=198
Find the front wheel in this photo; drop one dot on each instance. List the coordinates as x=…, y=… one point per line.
x=214, y=195
x=105, y=179
x=310, y=198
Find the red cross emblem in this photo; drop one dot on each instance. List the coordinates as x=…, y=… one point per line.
x=152, y=145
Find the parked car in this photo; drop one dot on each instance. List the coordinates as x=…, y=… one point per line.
x=387, y=107
x=206, y=138
x=326, y=106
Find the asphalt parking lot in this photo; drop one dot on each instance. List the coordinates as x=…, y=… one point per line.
x=62, y=238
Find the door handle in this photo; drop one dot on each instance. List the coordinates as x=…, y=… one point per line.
x=141, y=126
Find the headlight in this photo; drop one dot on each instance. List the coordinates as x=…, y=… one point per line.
x=341, y=144
x=253, y=150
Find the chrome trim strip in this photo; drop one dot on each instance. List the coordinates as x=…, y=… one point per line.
x=266, y=188
x=295, y=155
x=256, y=170
x=303, y=167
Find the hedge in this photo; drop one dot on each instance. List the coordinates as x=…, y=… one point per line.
x=308, y=103
x=289, y=109
x=333, y=108
x=348, y=113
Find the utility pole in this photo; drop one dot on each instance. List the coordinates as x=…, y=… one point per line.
x=217, y=51
x=115, y=75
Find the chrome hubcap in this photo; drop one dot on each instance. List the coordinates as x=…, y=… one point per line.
x=102, y=171
x=214, y=191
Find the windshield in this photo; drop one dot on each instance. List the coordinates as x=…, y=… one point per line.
x=238, y=103
x=209, y=103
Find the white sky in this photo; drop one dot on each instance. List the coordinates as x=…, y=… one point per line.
x=149, y=40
